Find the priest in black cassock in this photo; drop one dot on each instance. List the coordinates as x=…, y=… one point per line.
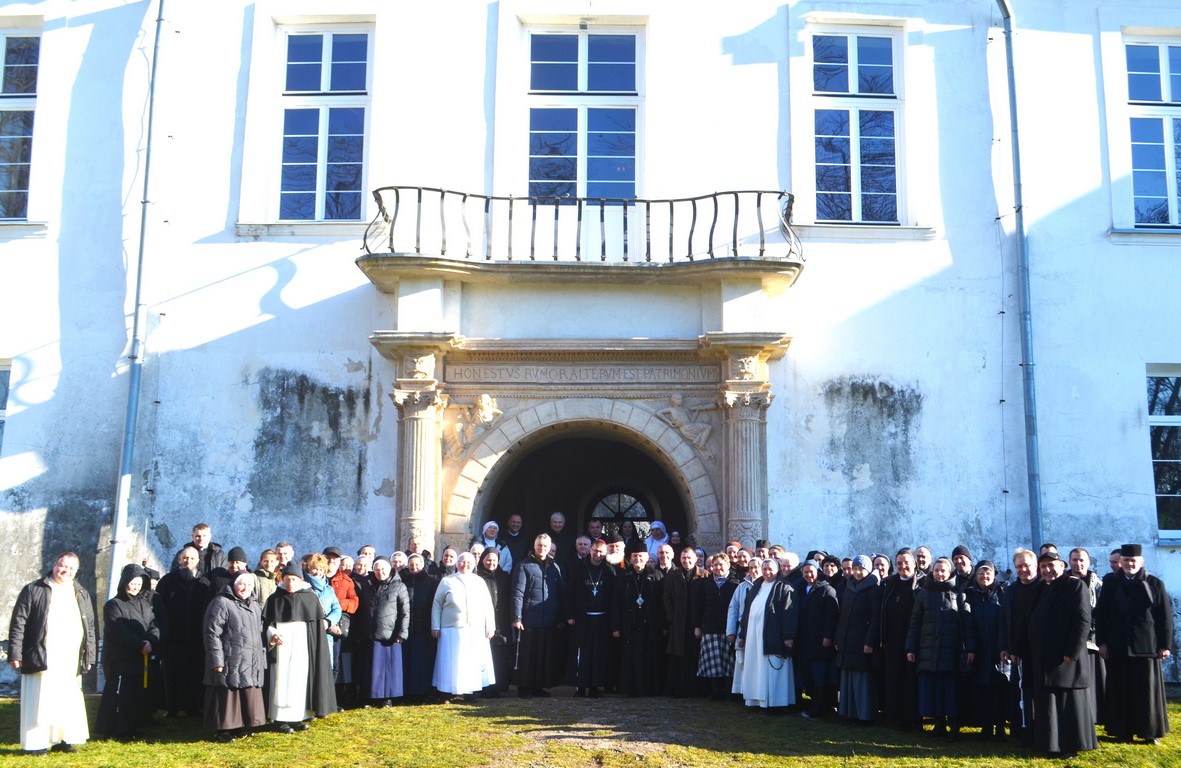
x=1134, y=629
x=637, y=619
x=588, y=608
x=1059, y=669
x=299, y=665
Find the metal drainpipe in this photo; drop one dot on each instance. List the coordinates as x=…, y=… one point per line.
x=1032, y=457
x=123, y=491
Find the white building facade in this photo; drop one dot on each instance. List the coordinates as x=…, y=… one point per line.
x=407, y=267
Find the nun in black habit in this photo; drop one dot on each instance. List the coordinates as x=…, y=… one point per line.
x=299, y=668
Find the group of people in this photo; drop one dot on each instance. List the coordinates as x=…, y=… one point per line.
x=904, y=639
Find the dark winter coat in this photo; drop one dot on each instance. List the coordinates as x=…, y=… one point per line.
x=986, y=607
x=234, y=641
x=420, y=589
x=710, y=603
x=1135, y=616
x=631, y=619
x=499, y=584
x=941, y=628
x=819, y=614
x=859, y=624
x=1020, y=598
x=1058, y=629
x=677, y=609
x=208, y=560
x=26, y=630
x=897, y=605
x=537, y=592
x=128, y=622
x=386, y=605
x=781, y=618
x=589, y=589
x=184, y=598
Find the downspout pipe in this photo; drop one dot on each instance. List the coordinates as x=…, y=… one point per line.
x=1032, y=456
x=135, y=358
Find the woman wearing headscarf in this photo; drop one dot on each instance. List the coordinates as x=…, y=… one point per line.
x=385, y=603
x=985, y=597
x=235, y=660
x=819, y=612
x=770, y=623
x=497, y=581
x=488, y=536
x=858, y=631
x=900, y=683
x=418, y=649
x=129, y=635
x=299, y=668
x=941, y=637
x=463, y=621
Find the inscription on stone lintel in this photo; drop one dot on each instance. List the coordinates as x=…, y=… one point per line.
x=602, y=373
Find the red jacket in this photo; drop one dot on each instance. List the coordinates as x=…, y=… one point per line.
x=346, y=592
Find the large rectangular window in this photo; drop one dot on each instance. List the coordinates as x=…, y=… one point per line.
x=18, y=102
x=1164, y=429
x=583, y=115
x=325, y=101
x=1154, y=103
x=856, y=127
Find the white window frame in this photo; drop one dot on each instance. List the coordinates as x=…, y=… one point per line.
x=21, y=103
x=583, y=99
x=854, y=102
x=1162, y=371
x=1168, y=110
x=261, y=168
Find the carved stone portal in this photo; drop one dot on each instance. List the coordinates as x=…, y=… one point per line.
x=698, y=406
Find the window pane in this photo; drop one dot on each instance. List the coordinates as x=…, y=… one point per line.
x=14, y=177
x=619, y=48
x=1164, y=396
x=830, y=70
x=615, y=144
x=553, y=144
x=552, y=169
x=342, y=205
x=348, y=77
x=1168, y=512
x=611, y=77
x=1166, y=444
x=830, y=49
x=551, y=189
x=875, y=50
x=1148, y=129
x=553, y=119
x=611, y=119
x=832, y=150
x=5, y=379
x=304, y=56
x=16, y=123
x=624, y=189
x=834, y=207
x=876, y=178
x=303, y=77
x=832, y=122
x=346, y=120
x=1175, y=73
x=297, y=206
x=830, y=78
x=875, y=79
x=875, y=65
x=553, y=48
x=301, y=122
x=300, y=149
x=298, y=178
x=1152, y=210
x=344, y=177
x=554, y=77
x=345, y=149
x=833, y=178
x=1143, y=72
x=350, y=48
x=24, y=51
x=875, y=123
x=877, y=151
x=1148, y=156
x=610, y=169
x=16, y=150
x=554, y=63
x=879, y=208
x=1150, y=184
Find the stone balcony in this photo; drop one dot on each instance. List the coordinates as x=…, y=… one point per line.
x=429, y=232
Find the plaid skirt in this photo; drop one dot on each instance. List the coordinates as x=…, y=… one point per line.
x=717, y=657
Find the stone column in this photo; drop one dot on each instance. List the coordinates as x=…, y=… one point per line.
x=744, y=463
x=420, y=400
x=745, y=395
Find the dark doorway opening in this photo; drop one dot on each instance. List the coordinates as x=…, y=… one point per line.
x=579, y=475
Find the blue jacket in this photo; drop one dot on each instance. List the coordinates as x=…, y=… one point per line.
x=537, y=592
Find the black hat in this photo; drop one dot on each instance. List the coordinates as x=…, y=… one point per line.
x=152, y=573
x=985, y=564
x=612, y=538
x=292, y=569
x=634, y=546
x=1131, y=550
x=1050, y=557
x=332, y=552
x=237, y=555
x=961, y=550
x=762, y=544
x=831, y=559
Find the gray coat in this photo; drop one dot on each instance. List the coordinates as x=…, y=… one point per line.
x=234, y=641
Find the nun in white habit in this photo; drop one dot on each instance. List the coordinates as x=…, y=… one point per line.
x=463, y=620
x=769, y=627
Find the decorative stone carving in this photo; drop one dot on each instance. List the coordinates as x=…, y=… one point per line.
x=745, y=531
x=744, y=368
x=420, y=366
x=470, y=425
x=685, y=419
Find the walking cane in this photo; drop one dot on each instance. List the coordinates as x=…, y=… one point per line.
x=517, y=658
x=145, y=671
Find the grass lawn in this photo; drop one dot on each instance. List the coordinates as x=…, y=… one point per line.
x=563, y=731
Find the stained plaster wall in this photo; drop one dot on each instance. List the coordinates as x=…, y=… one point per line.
x=265, y=410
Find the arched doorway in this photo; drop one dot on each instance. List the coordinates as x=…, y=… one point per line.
x=579, y=474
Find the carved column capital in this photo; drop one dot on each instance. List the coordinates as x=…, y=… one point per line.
x=755, y=399
x=417, y=400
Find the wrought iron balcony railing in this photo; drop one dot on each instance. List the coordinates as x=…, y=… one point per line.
x=440, y=223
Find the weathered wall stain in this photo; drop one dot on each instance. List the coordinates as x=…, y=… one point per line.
x=310, y=448
x=873, y=425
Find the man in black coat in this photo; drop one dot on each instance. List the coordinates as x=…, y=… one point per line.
x=1134, y=629
x=637, y=619
x=588, y=610
x=1057, y=666
x=900, y=701
x=1020, y=600
x=184, y=594
x=209, y=554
